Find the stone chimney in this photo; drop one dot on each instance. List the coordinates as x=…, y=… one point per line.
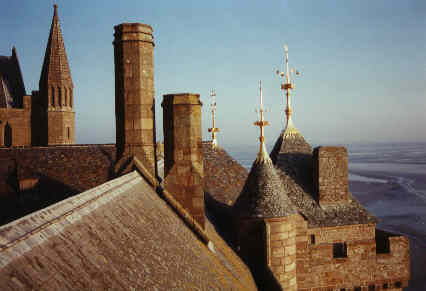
x=183, y=156
x=330, y=166
x=134, y=95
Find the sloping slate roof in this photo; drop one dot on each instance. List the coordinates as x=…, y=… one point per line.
x=12, y=87
x=292, y=156
x=119, y=235
x=263, y=195
x=224, y=177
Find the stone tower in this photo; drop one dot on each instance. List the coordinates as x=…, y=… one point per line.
x=56, y=100
x=134, y=95
x=183, y=152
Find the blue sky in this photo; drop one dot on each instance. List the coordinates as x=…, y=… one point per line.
x=362, y=63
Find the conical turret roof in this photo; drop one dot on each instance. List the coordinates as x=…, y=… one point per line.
x=55, y=65
x=263, y=194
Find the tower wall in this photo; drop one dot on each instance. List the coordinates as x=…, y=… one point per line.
x=134, y=93
x=183, y=153
x=330, y=166
x=281, y=249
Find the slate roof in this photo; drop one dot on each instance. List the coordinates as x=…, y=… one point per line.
x=119, y=235
x=224, y=177
x=12, y=87
x=292, y=156
x=263, y=195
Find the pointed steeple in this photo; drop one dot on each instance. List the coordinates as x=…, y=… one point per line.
x=263, y=195
x=56, y=91
x=55, y=65
x=290, y=140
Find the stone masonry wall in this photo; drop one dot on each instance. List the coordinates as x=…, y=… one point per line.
x=319, y=266
x=15, y=125
x=330, y=165
x=183, y=152
x=32, y=178
x=281, y=250
x=60, y=127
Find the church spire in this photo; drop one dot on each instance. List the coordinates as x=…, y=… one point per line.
x=55, y=65
x=213, y=129
x=56, y=91
x=263, y=154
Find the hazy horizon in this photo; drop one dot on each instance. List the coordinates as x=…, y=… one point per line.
x=362, y=63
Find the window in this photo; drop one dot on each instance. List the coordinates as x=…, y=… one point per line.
x=7, y=135
x=340, y=250
x=312, y=239
x=382, y=245
x=371, y=288
x=65, y=97
x=69, y=133
x=52, y=97
x=71, y=97
x=398, y=284
x=60, y=96
x=385, y=286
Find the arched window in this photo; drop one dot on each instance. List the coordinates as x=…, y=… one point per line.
x=8, y=135
x=52, y=96
x=60, y=96
x=69, y=132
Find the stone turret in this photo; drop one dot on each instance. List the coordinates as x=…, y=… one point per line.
x=265, y=223
x=55, y=100
x=134, y=94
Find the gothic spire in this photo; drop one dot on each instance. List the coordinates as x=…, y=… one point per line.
x=55, y=66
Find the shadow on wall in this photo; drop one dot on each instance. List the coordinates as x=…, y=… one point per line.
x=220, y=214
x=112, y=162
x=19, y=203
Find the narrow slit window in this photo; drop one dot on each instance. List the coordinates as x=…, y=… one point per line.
x=60, y=96
x=52, y=97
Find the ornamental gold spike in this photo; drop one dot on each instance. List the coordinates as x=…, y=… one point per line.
x=213, y=129
x=263, y=154
x=287, y=85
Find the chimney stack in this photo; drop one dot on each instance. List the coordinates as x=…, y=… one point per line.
x=134, y=95
x=331, y=175
x=183, y=153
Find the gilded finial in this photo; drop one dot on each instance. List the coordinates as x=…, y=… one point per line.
x=213, y=129
x=263, y=154
x=287, y=85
